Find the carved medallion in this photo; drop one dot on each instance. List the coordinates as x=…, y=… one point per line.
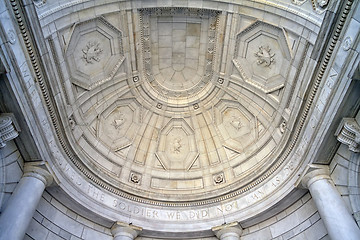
x=119, y=121
x=92, y=52
x=177, y=145
x=254, y=61
x=177, y=148
x=264, y=56
x=236, y=122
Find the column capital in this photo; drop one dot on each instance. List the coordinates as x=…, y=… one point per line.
x=124, y=229
x=233, y=229
x=38, y=170
x=313, y=173
x=348, y=133
x=8, y=128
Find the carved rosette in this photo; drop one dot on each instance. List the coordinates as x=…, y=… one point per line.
x=348, y=133
x=135, y=177
x=7, y=130
x=219, y=178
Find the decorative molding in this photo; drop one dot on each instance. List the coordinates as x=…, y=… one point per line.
x=8, y=130
x=58, y=69
x=348, y=133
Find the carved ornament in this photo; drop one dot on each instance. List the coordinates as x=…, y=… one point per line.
x=92, y=52
x=135, y=178
x=348, y=133
x=264, y=56
x=219, y=178
x=318, y=5
x=7, y=130
x=282, y=126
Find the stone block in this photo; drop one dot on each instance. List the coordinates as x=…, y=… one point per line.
x=45, y=209
x=38, y=217
x=262, y=234
x=90, y=234
x=58, y=205
x=314, y=218
x=27, y=237
x=340, y=175
x=84, y=221
x=37, y=231
x=9, y=149
x=64, y=234
x=68, y=224
x=10, y=156
x=49, y=225
x=316, y=231
x=53, y=236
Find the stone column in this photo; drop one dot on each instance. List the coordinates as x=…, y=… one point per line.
x=22, y=204
x=230, y=231
x=124, y=231
x=337, y=219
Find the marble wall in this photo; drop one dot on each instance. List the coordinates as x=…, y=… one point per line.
x=53, y=220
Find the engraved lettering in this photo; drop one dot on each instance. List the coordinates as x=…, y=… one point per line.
x=276, y=182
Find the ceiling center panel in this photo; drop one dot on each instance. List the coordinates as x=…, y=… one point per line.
x=178, y=50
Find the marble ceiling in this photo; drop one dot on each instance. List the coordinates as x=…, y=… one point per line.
x=193, y=103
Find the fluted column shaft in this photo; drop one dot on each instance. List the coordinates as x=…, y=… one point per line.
x=22, y=204
x=337, y=219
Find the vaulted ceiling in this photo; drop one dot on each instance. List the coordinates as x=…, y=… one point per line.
x=180, y=105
